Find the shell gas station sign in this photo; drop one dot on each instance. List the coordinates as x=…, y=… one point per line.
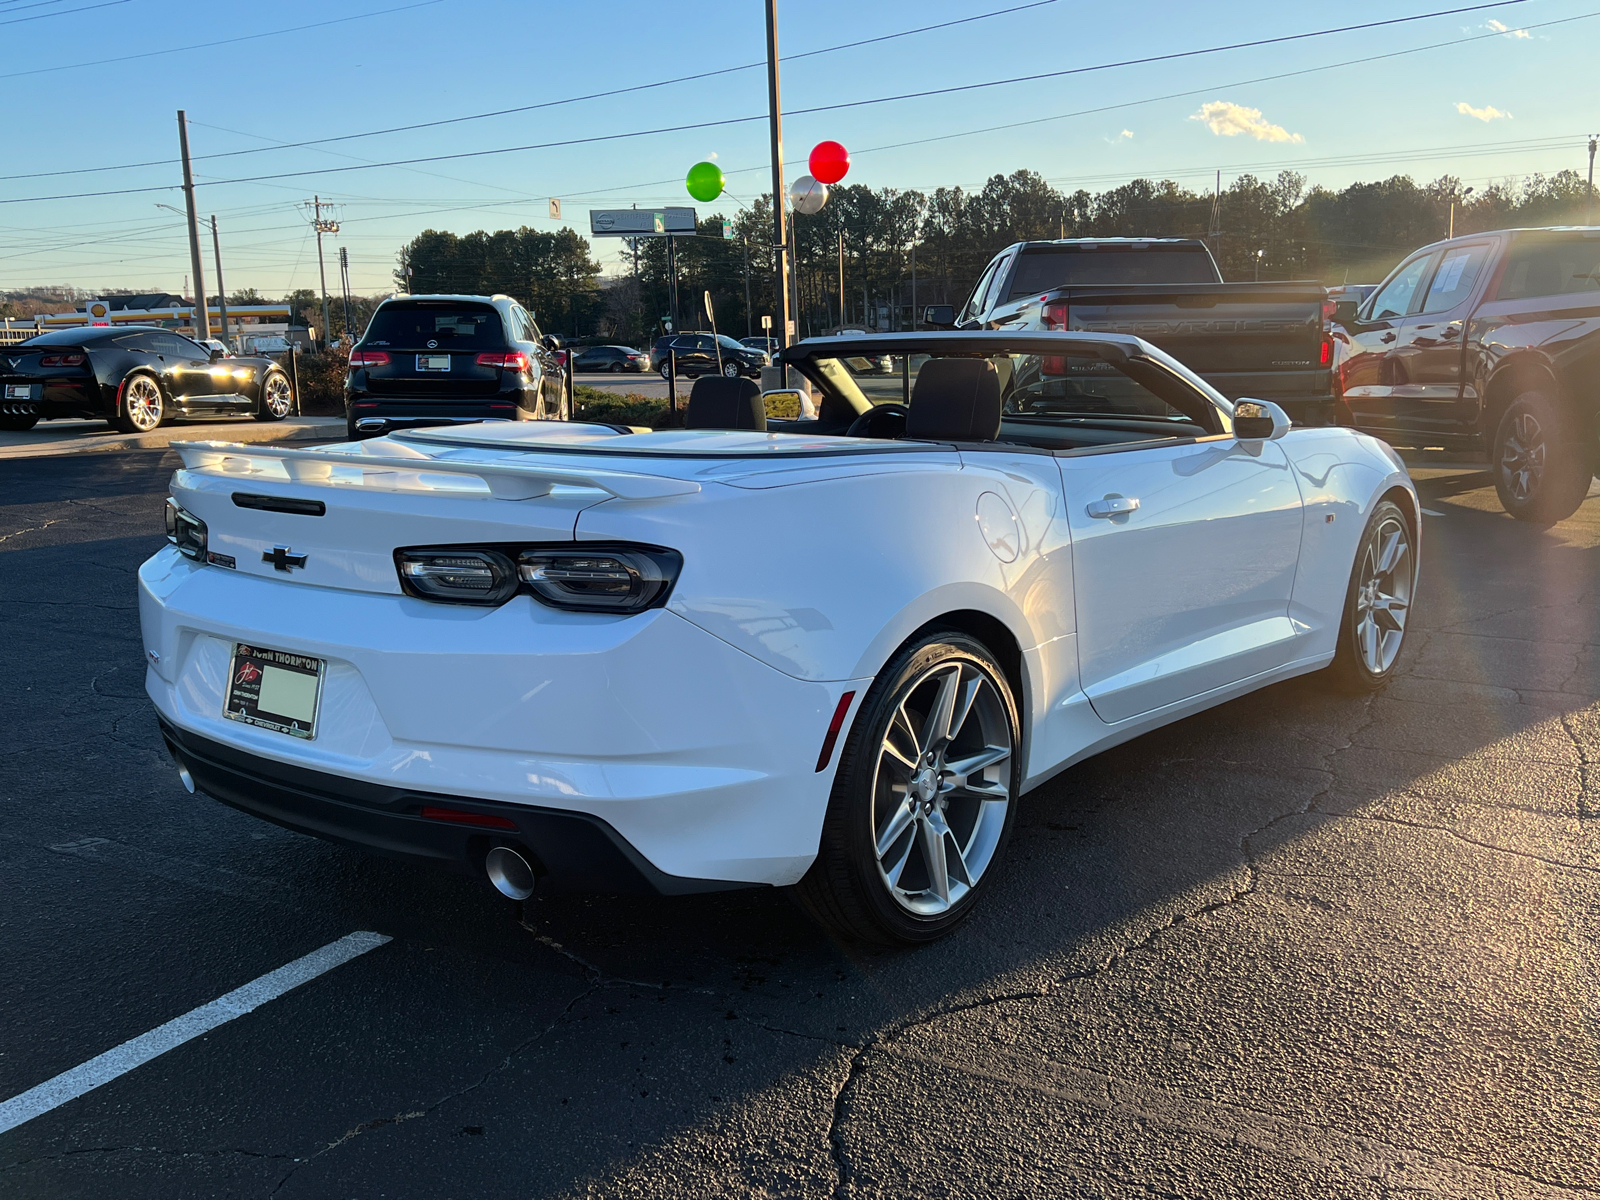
x=99, y=312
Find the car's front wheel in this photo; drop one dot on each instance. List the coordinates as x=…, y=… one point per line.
x=143, y=406
x=666, y=371
x=1377, y=607
x=731, y=369
x=1542, y=459
x=276, y=397
x=923, y=798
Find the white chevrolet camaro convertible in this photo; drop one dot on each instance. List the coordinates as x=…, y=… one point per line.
x=829, y=653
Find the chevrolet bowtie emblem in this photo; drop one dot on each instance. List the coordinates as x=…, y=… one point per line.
x=283, y=559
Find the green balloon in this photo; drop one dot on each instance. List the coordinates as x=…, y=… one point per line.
x=705, y=181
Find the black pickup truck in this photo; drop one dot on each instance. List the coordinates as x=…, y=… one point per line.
x=1267, y=341
x=1486, y=344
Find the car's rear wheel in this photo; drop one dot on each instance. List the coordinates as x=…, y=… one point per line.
x=143, y=406
x=615, y=368
x=1377, y=607
x=923, y=799
x=1542, y=458
x=277, y=397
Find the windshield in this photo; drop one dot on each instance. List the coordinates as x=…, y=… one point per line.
x=727, y=343
x=1043, y=268
x=1037, y=387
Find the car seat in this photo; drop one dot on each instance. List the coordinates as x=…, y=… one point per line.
x=716, y=402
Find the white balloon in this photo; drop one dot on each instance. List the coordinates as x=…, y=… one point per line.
x=806, y=195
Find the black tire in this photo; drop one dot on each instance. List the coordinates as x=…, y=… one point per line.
x=15, y=423
x=848, y=889
x=133, y=416
x=666, y=372
x=276, y=398
x=615, y=368
x=731, y=369
x=1543, y=458
x=1355, y=667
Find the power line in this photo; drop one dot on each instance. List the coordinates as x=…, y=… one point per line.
x=502, y=112
x=64, y=12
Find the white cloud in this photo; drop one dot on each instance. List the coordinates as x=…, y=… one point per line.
x=1502, y=27
x=1125, y=136
x=1229, y=120
x=1486, y=113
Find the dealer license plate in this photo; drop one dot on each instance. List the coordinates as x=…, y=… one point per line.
x=274, y=689
x=19, y=391
x=433, y=362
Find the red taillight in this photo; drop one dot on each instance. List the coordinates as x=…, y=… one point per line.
x=1055, y=315
x=1327, y=351
x=513, y=361
x=460, y=817
x=368, y=358
x=62, y=360
x=1329, y=307
x=833, y=730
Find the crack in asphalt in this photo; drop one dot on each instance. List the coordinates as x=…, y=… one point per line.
x=82, y=1150
x=1552, y=862
x=32, y=529
x=379, y=1122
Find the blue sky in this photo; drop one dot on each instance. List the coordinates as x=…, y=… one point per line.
x=1519, y=101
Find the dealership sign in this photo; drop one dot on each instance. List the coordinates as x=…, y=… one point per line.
x=641, y=222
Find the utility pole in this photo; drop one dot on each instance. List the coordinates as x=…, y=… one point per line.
x=194, y=229
x=841, y=279
x=222, y=292
x=916, y=317
x=1588, y=212
x=780, y=247
x=749, y=327
x=1216, y=218
x=322, y=227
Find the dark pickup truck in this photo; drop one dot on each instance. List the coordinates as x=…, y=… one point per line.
x=1486, y=344
x=1267, y=341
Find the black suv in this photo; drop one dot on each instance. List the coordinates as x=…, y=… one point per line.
x=437, y=360
x=697, y=354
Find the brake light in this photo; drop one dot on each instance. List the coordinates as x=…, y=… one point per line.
x=1055, y=315
x=1329, y=307
x=62, y=360
x=1327, y=351
x=514, y=360
x=368, y=358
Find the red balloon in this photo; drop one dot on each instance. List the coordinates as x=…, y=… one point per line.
x=829, y=162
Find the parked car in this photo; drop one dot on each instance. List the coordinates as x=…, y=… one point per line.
x=530, y=659
x=439, y=360
x=215, y=344
x=1265, y=340
x=702, y=354
x=1488, y=344
x=135, y=377
x=264, y=343
x=767, y=345
x=615, y=359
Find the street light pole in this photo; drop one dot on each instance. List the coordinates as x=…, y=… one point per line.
x=222, y=292
x=194, y=229
x=780, y=247
x=1588, y=212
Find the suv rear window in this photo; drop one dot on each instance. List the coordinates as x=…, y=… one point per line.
x=1041, y=269
x=443, y=326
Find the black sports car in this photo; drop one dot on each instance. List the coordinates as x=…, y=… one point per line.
x=134, y=377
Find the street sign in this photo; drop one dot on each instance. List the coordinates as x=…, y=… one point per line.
x=727, y=230
x=639, y=222
x=555, y=209
x=766, y=323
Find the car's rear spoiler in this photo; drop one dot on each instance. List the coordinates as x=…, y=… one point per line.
x=398, y=468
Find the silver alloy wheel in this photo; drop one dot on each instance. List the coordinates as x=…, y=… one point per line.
x=731, y=370
x=141, y=401
x=941, y=787
x=276, y=395
x=1522, y=457
x=1384, y=599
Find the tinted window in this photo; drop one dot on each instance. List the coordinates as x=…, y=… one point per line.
x=1455, y=277
x=974, y=303
x=727, y=343
x=449, y=326
x=1550, y=267
x=1042, y=269
x=172, y=345
x=1395, y=298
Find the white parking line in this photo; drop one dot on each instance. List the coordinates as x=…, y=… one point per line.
x=103, y=1068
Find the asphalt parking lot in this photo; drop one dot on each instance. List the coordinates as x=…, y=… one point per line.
x=1302, y=945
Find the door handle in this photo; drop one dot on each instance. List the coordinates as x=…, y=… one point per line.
x=1388, y=337
x=1113, y=506
x=1451, y=331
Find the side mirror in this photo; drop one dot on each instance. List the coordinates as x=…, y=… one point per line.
x=1259, y=421
x=217, y=354
x=940, y=316
x=551, y=342
x=786, y=404
x=1344, y=312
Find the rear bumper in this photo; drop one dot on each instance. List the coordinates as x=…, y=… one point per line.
x=571, y=852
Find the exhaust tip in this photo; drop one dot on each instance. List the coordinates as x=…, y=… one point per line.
x=510, y=873
x=188, y=779
x=371, y=423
